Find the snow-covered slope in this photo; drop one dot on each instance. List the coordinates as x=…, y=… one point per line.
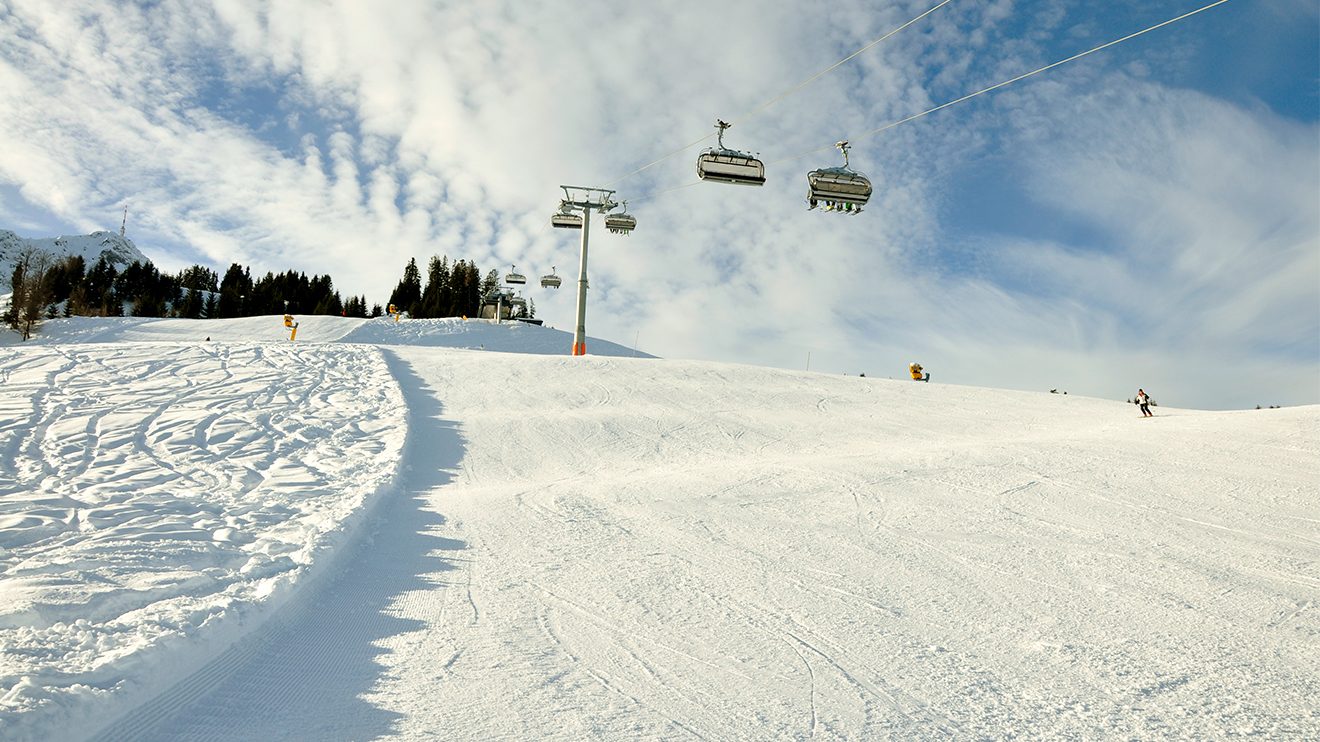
x=475, y=334
x=604, y=548
x=118, y=250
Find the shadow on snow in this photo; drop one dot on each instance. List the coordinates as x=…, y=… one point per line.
x=308, y=673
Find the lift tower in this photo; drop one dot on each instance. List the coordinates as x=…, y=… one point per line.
x=585, y=200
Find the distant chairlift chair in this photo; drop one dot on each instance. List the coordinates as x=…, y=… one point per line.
x=550, y=280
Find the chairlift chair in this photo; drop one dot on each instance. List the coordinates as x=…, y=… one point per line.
x=621, y=223
x=550, y=280
x=838, y=188
x=721, y=165
x=565, y=218
x=514, y=277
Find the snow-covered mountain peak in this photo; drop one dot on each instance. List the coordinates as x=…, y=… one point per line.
x=117, y=249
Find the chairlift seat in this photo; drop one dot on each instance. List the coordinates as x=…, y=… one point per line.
x=550, y=281
x=620, y=223
x=839, y=185
x=730, y=166
x=515, y=278
x=564, y=220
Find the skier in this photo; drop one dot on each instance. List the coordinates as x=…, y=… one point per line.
x=1143, y=401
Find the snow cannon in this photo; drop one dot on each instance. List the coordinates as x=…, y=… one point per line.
x=914, y=368
x=293, y=327
x=394, y=312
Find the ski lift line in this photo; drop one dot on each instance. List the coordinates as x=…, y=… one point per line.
x=1005, y=83
x=658, y=194
x=753, y=112
x=750, y=114
x=653, y=163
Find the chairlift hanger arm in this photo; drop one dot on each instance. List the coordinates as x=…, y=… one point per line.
x=588, y=198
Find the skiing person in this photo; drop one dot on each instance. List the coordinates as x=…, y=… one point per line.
x=1143, y=401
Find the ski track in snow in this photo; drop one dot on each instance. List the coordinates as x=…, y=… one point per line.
x=152, y=493
x=605, y=548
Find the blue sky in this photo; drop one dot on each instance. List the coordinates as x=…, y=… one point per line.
x=1146, y=216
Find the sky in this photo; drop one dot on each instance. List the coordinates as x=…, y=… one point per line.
x=1146, y=216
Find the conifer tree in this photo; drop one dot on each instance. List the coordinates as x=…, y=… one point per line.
x=234, y=288
x=435, y=299
x=96, y=292
x=407, y=295
x=466, y=282
x=491, y=282
x=64, y=276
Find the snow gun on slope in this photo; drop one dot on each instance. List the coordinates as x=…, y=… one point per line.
x=914, y=368
x=292, y=325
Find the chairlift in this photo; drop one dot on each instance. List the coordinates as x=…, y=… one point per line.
x=565, y=218
x=514, y=277
x=621, y=223
x=838, y=189
x=550, y=280
x=721, y=165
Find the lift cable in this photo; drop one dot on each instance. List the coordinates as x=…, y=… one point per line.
x=783, y=95
x=831, y=68
x=996, y=86
x=969, y=96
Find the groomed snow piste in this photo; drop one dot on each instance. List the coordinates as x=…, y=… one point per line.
x=394, y=531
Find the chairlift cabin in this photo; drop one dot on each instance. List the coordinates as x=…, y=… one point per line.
x=514, y=277
x=721, y=165
x=550, y=280
x=838, y=188
x=565, y=218
x=621, y=223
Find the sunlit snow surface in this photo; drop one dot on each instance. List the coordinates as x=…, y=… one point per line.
x=374, y=538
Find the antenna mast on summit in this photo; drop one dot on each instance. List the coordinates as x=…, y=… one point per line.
x=124, y=224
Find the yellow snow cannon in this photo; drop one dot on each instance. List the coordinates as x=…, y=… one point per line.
x=914, y=368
